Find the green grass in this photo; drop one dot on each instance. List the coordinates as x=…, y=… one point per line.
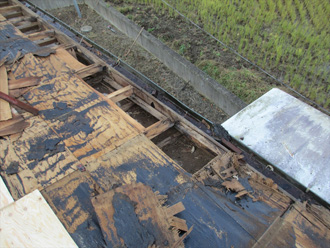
x=288, y=38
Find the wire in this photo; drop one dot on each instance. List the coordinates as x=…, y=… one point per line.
x=247, y=60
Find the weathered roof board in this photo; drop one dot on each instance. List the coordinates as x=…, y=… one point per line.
x=30, y=222
x=79, y=128
x=291, y=135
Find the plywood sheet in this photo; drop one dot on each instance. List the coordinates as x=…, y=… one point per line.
x=70, y=199
x=138, y=160
x=30, y=222
x=299, y=229
x=131, y=216
x=72, y=62
x=47, y=68
x=5, y=196
x=38, y=158
x=5, y=111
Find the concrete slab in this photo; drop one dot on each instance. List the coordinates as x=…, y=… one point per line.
x=289, y=134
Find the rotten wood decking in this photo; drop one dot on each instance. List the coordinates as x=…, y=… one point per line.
x=83, y=149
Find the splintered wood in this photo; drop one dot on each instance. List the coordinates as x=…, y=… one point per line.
x=30, y=222
x=131, y=216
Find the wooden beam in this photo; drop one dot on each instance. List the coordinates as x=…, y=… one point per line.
x=158, y=128
x=89, y=70
x=121, y=94
x=28, y=27
x=113, y=83
x=5, y=111
x=3, y=4
x=12, y=14
x=148, y=108
x=16, y=21
x=45, y=41
x=42, y=34
x=12, y=8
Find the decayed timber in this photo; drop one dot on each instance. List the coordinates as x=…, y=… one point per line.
x=131, y=216
x=83, y=149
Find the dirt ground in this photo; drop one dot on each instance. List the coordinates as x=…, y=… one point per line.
x=117, y=43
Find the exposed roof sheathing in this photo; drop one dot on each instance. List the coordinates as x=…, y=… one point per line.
x=91, y=160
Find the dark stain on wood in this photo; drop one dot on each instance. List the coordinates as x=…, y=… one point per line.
x=128, y=225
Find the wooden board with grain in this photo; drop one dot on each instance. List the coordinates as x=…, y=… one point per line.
x=30, y=222
x=5, y=196
x=297, y=228
x=5, y=110
x=46, y=68
x=131, y=216
x=138, y=160
x=70, y=199
x=67, y=58
x=38, y=158
x=15, y=125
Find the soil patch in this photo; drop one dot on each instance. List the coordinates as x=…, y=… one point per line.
x=117, y=43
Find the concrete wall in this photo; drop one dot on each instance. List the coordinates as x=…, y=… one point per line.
x=53, y=4
x=202, y=83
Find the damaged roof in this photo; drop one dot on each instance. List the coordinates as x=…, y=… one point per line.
x=100, y=170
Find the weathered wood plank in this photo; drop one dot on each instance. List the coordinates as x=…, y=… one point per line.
x=23, y=82
x=148, y=108
x=5, y=196
x=10, y=9
x=121, y=94
x=72, y=62
x=158, y=128
x=295, y=229
x=15, y=125
x=89, y=70
x=175, y=209
x=132, y=216
x=5, y=111
x=30, y=222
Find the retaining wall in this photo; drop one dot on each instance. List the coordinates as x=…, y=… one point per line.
x=201, y=82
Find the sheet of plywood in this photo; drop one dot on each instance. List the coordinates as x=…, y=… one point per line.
x=296, y=228
x=131, y=216
x=138, y=160
x=5, y=196
x=38, y=158
x=30, y=222
x=71, y=61
x=5, y=111
x=46, y=68
x=88, y=125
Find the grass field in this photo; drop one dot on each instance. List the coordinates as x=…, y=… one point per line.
x=290, y=39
